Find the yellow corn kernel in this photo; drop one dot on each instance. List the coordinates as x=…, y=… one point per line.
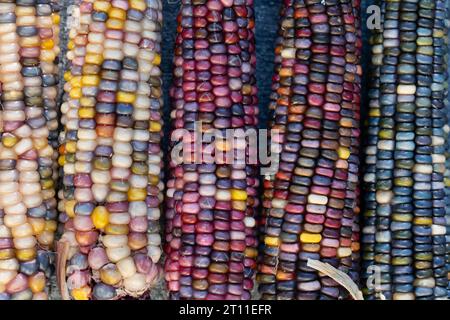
x=125, y=97
x=310, y=237
x=94, y=58
x=137, y=5
x=115, y=24
x=157, y=60
x=71, y=146
x=47, y=184
x=447, y=182
x=82, y=293
x=88, y=102
x=61, y=160
x=47, y=44
x=6, y=254
x=29, y=42
x=343, y=153
x=67, y=76
x=75, y=93
x=154, y=126
x=56, y=18
x=110, y=275
x=86, y=113
x=272, y=241
x=238, y=195
x=135, y=194
x=69, y=207
x=25, y=254
x=117, y=13
x=102, y=6
x=153, y=179
x=37, y=282
x=37, y=224
x=51, y=225
x=90, y=80
x=70, y=45
x=9, y=141
x=100, y=217
x=423, y=221
x=375, y=112
x=75, y=82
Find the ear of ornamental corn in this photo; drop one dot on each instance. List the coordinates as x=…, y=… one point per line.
x=404, y=221
x=447, y=155
x=111, y=154
x=210, y=225
x=310, y=204
x=28, y=94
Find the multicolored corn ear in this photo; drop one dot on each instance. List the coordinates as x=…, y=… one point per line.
x=211, y=203
x=447, y=155
x=404, y=233
x=28, y=128
x=111, y=153
x=311, y=203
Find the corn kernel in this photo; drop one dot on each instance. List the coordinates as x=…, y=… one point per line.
x=272, y=241
x=310, y=237
x=115, y=24
x=25, y=254
x=137, y=5
x=135, y=194
x=82, y=293
x=102, y=6
x=69, y=207
x=343, y=153
x=239, y=195
x=90, y=81
x=125, y=97
x=116, y=13
x=100, y=217
x=86, y=113
x=92, y=58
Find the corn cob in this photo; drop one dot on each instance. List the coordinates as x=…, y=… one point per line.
x=311, y=202
x=28, y=93
x=111, y=149
x=210, y=226
x=447, y=157
x=438, y=141
x=352, y=199
x=372, y=132
x=404, y=227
